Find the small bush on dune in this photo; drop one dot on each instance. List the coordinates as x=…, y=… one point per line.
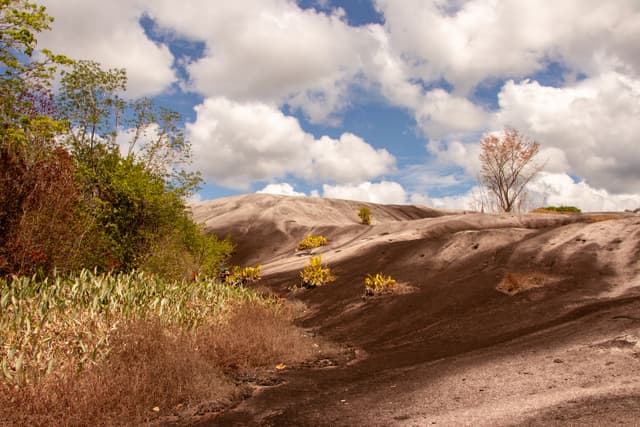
x=311, y=242
x=365, y=215
x=242, y=275
x=378, y=284
x=558, y=209
x=315, y=274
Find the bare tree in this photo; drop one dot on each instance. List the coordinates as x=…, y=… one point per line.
x=508, y=166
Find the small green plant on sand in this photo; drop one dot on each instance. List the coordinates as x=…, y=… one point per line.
x=315, y=274
x=365, y=215
x=378, y=284
x=311, y=242
x=242, y=275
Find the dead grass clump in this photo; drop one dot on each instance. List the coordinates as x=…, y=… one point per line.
x=515, y=283
x=256, y=337
x=154, y=370
x=148, y=367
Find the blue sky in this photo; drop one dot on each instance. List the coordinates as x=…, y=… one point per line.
x=381, y=100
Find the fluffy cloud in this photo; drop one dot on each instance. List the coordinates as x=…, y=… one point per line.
x=271, y=51
x=441, y=114
x=379, y=192
x=550, y=189
x=283, y=189
x=263, y=54
x=389, y=73
x=110, y=32
x=236, y=144
x=347, y=160
x=590, y=128
x=467, y=42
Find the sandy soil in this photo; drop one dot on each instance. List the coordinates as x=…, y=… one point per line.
x=503, y=320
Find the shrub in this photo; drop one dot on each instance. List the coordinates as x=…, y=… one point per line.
x=211, y=253
x=558, y=209
x=378, y=284
x=315, y=274
x=365, y=215
x=311, y=241
x=242, y=275
x=40, y=229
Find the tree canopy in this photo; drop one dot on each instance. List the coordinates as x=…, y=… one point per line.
x=89, y=179
x=508, y=166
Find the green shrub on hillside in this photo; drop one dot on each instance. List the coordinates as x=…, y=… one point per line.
x=378, y=284
x=558, y=209
x=242, y=275
x=315, y=274
x=365, y=215
x=311, y=242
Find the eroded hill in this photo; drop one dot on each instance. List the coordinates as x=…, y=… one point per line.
x=502, y=319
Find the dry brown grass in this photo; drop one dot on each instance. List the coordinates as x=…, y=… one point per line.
x=257, y=337
x=515, y=283
x=151, y=366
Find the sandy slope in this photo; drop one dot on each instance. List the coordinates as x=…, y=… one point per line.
x=562, y=347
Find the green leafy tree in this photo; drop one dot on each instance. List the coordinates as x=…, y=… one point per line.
x=25, y=81
x=113, y=194
x=131, y=159
x=91, y=98
x=39, y=226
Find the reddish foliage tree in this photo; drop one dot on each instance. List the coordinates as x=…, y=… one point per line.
x=39, y=224
x=508, y=166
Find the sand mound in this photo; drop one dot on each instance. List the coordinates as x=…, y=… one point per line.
x=497, y=304
x=268, y=226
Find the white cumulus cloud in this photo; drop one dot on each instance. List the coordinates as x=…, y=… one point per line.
x=374, y=192
x=271, y=51
x=110, y=32
x=441, y=114
x=553, y=189
x=236, y=144
x=466, y=42
x=283, y=189
x=590, y=128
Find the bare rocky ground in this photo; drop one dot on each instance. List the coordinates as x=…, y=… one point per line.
x=501, y=319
